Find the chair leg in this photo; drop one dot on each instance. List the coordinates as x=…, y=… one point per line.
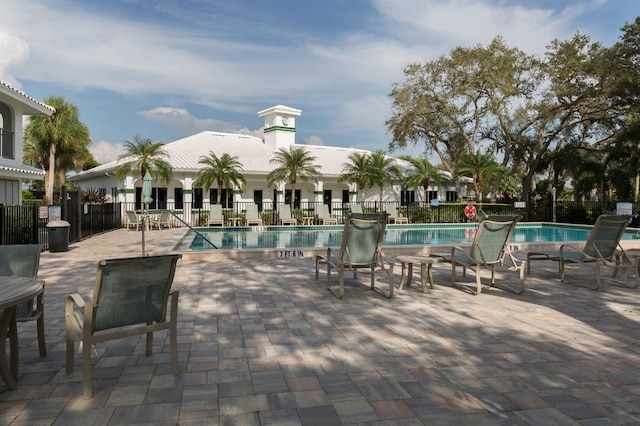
x=341, y=277
x=86, y=366
x=148, y=350
x=478, y=281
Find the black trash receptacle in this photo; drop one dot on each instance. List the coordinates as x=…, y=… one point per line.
x=58, y=232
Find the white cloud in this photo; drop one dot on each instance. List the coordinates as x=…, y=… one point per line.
x=105, y=152
x=314, y=140
x=186, y=124
x=14, y=51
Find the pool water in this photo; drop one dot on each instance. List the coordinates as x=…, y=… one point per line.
x=331, y=236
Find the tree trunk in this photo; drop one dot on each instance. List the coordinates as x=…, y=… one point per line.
x=50, y=177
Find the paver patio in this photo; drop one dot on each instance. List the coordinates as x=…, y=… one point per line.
x=261, y=342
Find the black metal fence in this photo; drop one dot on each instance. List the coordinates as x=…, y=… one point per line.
x=28, y=224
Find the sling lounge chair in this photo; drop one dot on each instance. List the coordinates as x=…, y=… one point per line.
x=393, y=215
x=253, y=216
x=602, y=248
x=360, y=250
x=325, y=217
x=489, y=249
x=215, y=215
x=23, y=260
x=163, y=220
x=356, y=208
x=133, y=220
x=285, y=216
x=130, y=298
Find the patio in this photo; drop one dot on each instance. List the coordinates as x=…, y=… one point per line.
x=261, y=342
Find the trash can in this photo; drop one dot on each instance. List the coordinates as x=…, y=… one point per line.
x=58, y=232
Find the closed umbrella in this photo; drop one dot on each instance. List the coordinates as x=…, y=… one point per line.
x=146, y=200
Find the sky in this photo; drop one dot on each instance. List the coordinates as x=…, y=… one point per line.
x=167, y=69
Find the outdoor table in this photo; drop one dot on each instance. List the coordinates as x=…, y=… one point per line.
x=13, y=291
x=307, y=220
x=235, y=221
x=426, y=268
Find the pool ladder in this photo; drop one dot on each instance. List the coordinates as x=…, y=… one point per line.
x=192, y=228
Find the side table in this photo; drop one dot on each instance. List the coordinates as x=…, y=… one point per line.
x=426, y=268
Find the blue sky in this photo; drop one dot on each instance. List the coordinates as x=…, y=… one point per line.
x=166, y=69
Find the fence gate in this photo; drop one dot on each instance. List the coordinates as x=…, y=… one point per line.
x=71, y=213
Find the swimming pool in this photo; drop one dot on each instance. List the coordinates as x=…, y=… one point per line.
x=273, y=237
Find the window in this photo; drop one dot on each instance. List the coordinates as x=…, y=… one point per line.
x=257, y=198
x=287, y=197
x=197, y=198
x=432, y=195
x=226, y=198
x=407, y=197
x=177, y=195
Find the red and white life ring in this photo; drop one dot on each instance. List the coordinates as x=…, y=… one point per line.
x=470, y=211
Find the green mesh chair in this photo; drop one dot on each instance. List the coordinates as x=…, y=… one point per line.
x=360, y=250
x=215, y=215
x=602, y=248
x=490, y=250
x=133, y=221
x=163, y=220
x=23, y=260
x=130, y=298
x=253, y=215
x=285, y=217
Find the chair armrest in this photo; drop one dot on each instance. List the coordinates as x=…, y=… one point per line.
x=74, y=318
x=75, y=298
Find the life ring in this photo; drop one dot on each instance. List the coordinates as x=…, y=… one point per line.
x=470, y=211
x=470, y=233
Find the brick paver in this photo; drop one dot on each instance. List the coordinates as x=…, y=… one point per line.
x=261, y=342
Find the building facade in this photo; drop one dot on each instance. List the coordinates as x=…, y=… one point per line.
x=254, y=154
x=14, y=106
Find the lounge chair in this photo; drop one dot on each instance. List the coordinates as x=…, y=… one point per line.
x=393, y=215
x=163, y=220
x=253, y=216
x=489, y=249
x=602, y=248
x=324, y=217
x=215, y=215
x=23, y=260
x=285, y=216
x=130, y=298
x=360, y=250
x=133, y=220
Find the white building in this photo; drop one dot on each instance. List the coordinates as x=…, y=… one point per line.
x=254, y=154
x=14, y=105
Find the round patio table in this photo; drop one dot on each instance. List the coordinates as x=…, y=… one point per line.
x=426, y=268
x=13, y=291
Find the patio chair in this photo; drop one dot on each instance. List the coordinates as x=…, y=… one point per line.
x=602, y=248
x=356, y=208
x=23, y=260
x=130, y=298
x=285, y=216
x=215, y=215
x=253, y=216
x=163, y=220
x=324, y=217
x=360, y=251
x=133, y=220
x=393, y=215
x=489, y=249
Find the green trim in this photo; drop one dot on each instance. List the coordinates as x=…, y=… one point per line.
x=126, y=190
x=279, y=192
x=237, y=191
x=284, y=129
x=318, y=192
x=187, y=191
x=353, y=192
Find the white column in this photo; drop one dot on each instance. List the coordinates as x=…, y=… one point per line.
x=187, y=198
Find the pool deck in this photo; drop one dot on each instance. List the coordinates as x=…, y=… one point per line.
x=261, y=342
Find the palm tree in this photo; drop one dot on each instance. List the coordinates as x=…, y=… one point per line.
x=293, y=164
x=144, y=155
x=482, y=168
x=60, y=132
x=381, y=169
x=355, y=170
x=223, y=170
x=421, y=174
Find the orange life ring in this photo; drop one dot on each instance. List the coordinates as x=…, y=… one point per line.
x=470, y=211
